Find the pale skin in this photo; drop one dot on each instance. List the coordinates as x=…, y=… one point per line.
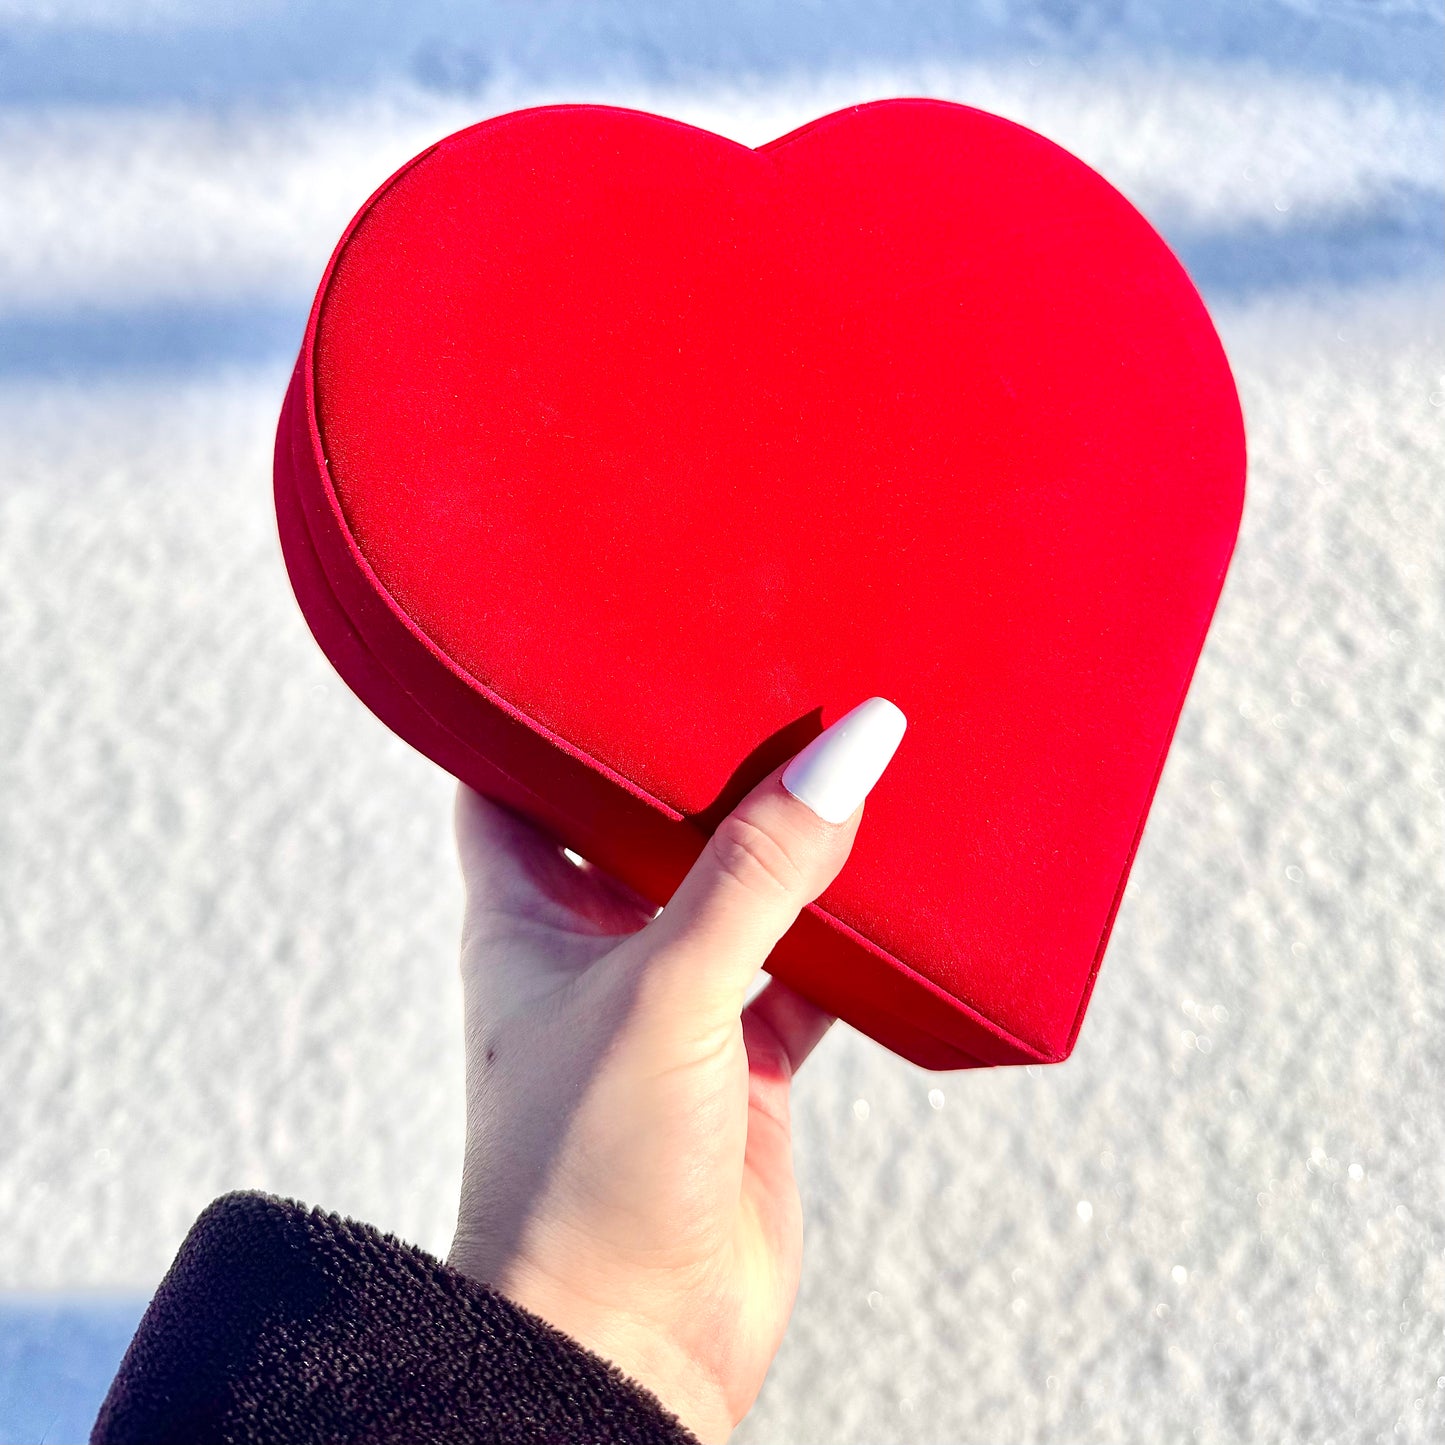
x=629, y=1166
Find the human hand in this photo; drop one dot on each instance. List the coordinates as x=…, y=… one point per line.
x=629, y=1172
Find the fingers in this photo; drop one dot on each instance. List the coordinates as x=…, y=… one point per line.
x=513, y=869
x=768, y=859
x=791, y=1025
x=780, y=1029
x=500, y=852
x=642, y=908
x=485, y=829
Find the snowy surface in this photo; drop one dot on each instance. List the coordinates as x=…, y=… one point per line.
x=228, y=904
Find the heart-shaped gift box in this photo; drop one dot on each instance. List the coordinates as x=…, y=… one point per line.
x=620, y=459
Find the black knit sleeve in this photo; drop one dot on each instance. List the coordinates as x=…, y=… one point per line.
x=285, y=1325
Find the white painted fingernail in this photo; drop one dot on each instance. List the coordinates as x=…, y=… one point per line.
x=838, y=769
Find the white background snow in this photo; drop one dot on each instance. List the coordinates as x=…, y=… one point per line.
x=228, y=904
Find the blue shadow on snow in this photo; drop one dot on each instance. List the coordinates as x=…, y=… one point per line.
x=1390, y=241
x=58, y=1355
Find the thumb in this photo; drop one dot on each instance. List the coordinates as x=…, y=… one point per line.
x=767, y=860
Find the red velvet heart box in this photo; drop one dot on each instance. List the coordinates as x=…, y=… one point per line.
x=620, y=459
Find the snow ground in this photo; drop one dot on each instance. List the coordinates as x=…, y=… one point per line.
x=228, y=906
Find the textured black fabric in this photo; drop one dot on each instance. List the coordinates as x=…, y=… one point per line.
x=286, y=1325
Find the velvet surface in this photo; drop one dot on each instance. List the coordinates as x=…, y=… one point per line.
x=622, y=458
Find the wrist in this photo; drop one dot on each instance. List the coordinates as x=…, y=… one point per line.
x=649, y=1355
